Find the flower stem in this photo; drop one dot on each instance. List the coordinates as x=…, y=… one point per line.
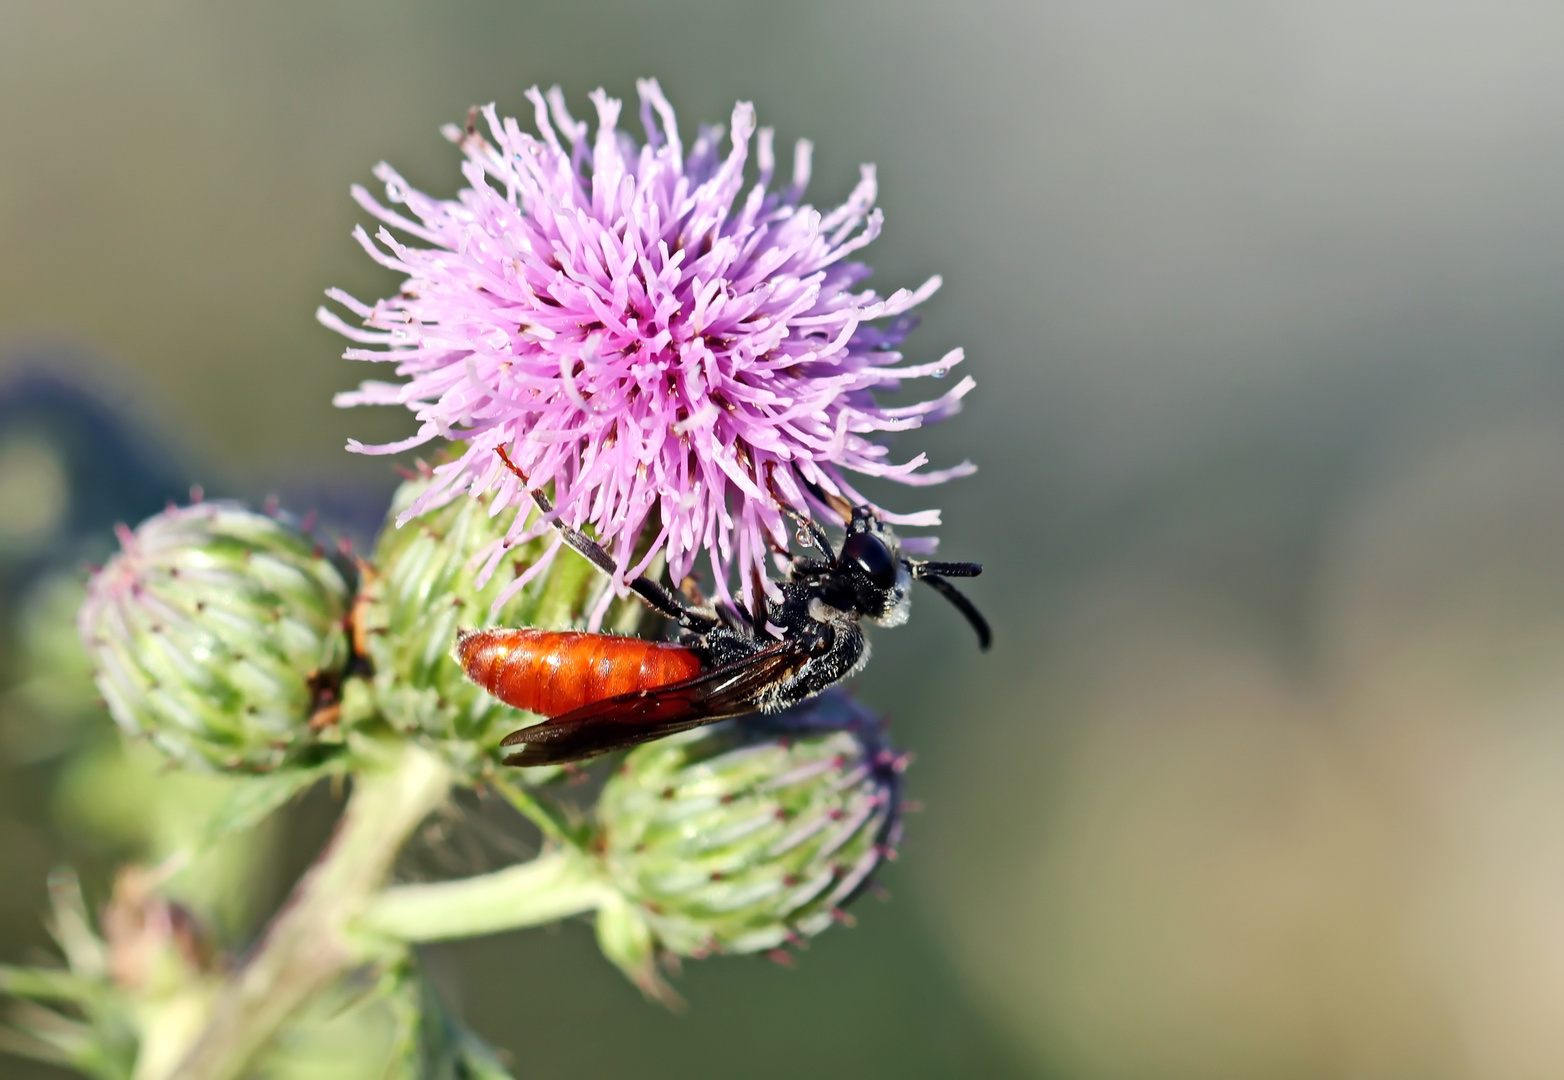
x=551, y=822
x=553, y=886
x=307, y=946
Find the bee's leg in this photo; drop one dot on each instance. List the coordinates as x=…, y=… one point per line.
x=665, y=601
x=760, y=609
x=840, y=506
x=734, y=617
x=809, y=530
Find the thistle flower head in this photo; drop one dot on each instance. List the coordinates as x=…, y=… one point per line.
x=219, y=633
x=677, y=356
x=752, y=836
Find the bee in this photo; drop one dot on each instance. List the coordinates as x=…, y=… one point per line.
x=603, y=692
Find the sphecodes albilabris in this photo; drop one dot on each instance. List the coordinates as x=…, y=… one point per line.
x=602, y=692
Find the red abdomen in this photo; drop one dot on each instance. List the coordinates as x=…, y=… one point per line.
x=551, y=672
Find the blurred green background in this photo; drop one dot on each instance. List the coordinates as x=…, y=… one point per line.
x=1265, y=775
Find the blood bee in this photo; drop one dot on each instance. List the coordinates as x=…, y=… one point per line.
x=603, y=692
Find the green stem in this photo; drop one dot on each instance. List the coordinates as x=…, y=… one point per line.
x=168, y=1026
x=551, y=887
x=307, y=945
x=549, y=818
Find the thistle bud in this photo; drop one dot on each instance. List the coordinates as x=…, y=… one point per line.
x=218, y=633
x=752, y=835
x=443, y=571
x=154, y=946
x=133, y=992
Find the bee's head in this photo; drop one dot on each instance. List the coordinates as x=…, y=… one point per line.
x=872, y=569
x=872, y=564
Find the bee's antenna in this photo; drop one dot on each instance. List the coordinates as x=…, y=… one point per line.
x=931, y=571
x=947, y=569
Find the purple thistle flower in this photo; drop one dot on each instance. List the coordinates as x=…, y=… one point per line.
x=628, y=328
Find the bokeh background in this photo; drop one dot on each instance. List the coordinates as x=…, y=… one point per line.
x=1264, y=776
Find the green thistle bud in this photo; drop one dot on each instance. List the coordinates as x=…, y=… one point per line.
x=219, y=633
x=752, y=835
x=424, y=583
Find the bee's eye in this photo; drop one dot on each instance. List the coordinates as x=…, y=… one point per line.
x=869, y=554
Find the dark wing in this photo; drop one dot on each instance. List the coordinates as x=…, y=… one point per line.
x=643, y=715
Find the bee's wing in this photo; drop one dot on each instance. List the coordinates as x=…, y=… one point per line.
x=631, y=719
